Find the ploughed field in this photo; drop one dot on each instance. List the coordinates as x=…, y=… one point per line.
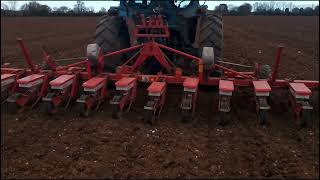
x=34, y=145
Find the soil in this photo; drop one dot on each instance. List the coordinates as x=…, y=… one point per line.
x=34, y=145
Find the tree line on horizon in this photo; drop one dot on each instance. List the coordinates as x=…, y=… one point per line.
x=271, y=8
x=35, y=8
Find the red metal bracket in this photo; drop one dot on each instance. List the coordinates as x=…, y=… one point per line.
x=27, y=57
x=276, y=63
x=154, y=27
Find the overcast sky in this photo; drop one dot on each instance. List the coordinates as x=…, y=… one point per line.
x=97, y=5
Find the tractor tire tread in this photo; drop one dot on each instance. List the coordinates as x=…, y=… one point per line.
x=211, y=34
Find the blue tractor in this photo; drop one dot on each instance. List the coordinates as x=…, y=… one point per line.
x=192, y=26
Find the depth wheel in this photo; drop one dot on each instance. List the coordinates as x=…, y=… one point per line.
x=116, y=112
x=47, y=107
x=83, y=110
x=305, y=118
x=263, y=115
x=223, y=118
x=185, y=115
x=149, y=117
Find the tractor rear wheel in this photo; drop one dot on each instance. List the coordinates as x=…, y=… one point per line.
x=111, y=35
x=211, y=34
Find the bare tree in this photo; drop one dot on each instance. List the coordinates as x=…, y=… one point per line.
x=245, y=9
x=255, y=6
x=12, y=5
x=290, y=6
x=35, y=9
x=91, y=9
x=4, y=6
x=287, y=11
x=308, y=11
x=79, y=7
x=103, y=10
x=223, y=8
x=281, y=5
x=261, y=7
x=295, y=10
x=271, y=6
x=63, y=9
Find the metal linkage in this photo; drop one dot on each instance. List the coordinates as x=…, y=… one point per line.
x=299, y=99
x=156, y=99
x=189, y=98
x=126, y=92
x=34, y=68
x=226, y=89
x=94, y=95
x=262, y=90
x=31, y=89
x=153, y=27
x=63, y=90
